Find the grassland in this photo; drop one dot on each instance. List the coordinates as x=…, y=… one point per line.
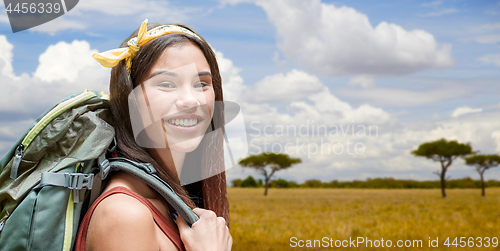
x=268, y=223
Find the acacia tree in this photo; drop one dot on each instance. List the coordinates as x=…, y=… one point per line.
x=483, y=163
x=444, y=152
x=268, y=163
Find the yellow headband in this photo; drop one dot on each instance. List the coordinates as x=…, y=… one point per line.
x=112, y=57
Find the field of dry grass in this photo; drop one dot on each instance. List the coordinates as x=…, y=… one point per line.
x=268, y=223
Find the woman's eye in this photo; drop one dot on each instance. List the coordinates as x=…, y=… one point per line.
x=166, y=85
x=200, y=85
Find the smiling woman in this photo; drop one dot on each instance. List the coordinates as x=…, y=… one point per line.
x=163, y=85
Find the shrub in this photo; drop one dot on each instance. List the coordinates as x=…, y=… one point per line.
x=236, y=182
x=313, y=183
x=280, y=183
x=249, y=182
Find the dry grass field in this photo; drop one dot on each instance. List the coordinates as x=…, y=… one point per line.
x=268, y=223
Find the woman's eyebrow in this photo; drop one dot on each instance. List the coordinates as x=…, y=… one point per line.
x=163, y=72
x=204, y=73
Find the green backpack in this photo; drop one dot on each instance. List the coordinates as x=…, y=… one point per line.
x=53, y=173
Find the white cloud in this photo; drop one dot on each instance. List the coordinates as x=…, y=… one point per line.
x=319, y=104
x=388, y=153
x=327, y=102
x=4, y=18
x=477, y=131
x=112, y=7
x=58, y=24
x=319, y=108
x=362, y=80
x=491, y=12
x=330, y=40
x=64, y=69
x=92, y=34
x=441, y=13
x=64, y=61
x=385, y=155
x=432, y=4
x=77, y=18
x=232, y=82
x=10, y=131
x=6, y=57
x=150, y=9
x=401, y=97
x=326, y=108
x=490, y=59
x=496, y=135
x=486, y=27
x=279, y=62
x=488, y=39
x=285, y=88
x=488, y=36
x=464, y=110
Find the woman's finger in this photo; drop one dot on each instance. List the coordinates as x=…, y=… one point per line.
x=198, y=209
x=182, y=224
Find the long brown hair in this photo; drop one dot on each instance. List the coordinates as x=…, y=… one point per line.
x=213, y=189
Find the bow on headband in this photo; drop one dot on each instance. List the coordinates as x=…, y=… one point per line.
x=112, y=57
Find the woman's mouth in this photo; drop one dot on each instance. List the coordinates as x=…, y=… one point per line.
x=184, y=125
x=183, y=122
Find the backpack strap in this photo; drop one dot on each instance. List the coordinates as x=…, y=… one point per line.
x=147, y=173
x=73, y=181
x=104, y=169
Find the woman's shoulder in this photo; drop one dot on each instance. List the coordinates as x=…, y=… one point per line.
x=121, y=205
x=121, y=222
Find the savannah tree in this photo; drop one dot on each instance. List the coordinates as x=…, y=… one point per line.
x=268, y=163
x=444, y=152
x=483, y=163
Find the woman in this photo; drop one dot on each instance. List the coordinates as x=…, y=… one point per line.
x=156, y=65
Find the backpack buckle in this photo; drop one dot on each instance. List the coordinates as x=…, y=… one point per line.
x=73, y=181
x=79, y=181
x=104, y=166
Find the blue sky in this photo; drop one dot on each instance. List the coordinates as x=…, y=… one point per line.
x=418, y=70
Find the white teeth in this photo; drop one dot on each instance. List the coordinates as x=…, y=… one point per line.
x=183, y=122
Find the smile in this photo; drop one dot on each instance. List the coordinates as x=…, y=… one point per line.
x=183, y=122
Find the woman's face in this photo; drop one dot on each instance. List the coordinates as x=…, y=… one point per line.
x=178, y=92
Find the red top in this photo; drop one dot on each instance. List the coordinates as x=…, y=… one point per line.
x=171, y=232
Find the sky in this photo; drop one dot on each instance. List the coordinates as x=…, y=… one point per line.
x=350, y=87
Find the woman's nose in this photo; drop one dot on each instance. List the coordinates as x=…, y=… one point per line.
x=187, y=100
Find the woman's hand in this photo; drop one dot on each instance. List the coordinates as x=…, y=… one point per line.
x=209, y=233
